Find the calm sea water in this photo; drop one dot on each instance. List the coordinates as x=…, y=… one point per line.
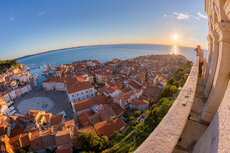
x=103, y=53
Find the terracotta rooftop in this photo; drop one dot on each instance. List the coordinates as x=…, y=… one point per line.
x=109, y=128
x=14, y=141
x=104, y=73
x=83, y=118
x=36, y=140
x=56, y=80
x=136, y=102
x=89, y=129
x=62, y=137
x=79, y=87
x=110, y=90
x=56, y=119
x=24, y=140
x=134, y=85
x=48, y=138
x=127, y=95
x=87, y=103
x=117, y=109
x=65, y=148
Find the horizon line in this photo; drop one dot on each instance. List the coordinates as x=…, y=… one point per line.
x=80, y=46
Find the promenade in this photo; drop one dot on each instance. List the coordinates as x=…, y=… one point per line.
x=50, y=101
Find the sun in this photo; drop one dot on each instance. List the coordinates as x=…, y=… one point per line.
x=175, y=37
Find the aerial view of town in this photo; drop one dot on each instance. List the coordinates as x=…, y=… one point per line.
x=105, y=99
x=115, y=76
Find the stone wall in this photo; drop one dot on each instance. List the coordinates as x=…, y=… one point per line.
x=164, y=138
x=217, y=136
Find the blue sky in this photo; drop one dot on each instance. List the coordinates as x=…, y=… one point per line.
x=32, y=26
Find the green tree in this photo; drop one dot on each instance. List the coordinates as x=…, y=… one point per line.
x=177, y=84
x=162, y=110
x=104, y=141
x=171, y=81
x=137, y=113
x=131, y=118
x=132, y=122
x=6, y=64
x=173, y=90
x=92, y=142
x=168, y=91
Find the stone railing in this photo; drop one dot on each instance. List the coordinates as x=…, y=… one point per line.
x=216, y=138
x=164, y=138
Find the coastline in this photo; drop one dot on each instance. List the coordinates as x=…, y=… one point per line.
x=49, y=51
x=61, y=49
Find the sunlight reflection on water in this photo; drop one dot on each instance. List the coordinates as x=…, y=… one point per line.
x=175, y=50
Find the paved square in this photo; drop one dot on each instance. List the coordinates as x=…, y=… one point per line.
x=50, y=101
x=35, y=103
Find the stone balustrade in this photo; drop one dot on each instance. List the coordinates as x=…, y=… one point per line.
x=164, y=138
x=217, y=136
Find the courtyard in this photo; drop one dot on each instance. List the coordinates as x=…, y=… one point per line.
x=50, y=101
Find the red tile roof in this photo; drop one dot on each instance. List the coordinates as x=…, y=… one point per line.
x=24, y=140
x=117, y=109
x=36, y=140
x=62, y=137
x=136, y=102
x=134, y=85
x=87, y=103
x=89, y=129
x=109, y=128
x=66, y=148
x=48, y=138
x=56, y=119
x=79, y=87
x=47, y=117
x=83, y=118
x=14, y=141
x=56, y=80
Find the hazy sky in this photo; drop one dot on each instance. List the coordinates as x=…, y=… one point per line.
x=32, y=26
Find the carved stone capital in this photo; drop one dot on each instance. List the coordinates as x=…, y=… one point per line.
x=227, y=9
x=209, y=38
x=215, y=37
x=223, y=30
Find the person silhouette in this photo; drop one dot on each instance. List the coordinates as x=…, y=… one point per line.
x=200, y=54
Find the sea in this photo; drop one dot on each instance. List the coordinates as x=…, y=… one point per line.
x=102, y=53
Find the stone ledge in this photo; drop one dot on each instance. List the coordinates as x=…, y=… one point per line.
x=166, y=135
x=216, y=137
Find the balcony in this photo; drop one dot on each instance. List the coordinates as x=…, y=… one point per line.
x=167, y=134
x=183, y=131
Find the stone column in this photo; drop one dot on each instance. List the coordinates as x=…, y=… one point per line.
x=209, y=57
x=222, y=73
x=213, y=64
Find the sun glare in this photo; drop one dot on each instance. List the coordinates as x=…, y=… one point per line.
x=175, y=37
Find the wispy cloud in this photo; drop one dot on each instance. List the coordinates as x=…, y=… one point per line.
x=41, y=13
x=197, y=18
x=165, y=15
x=201, y=15
x=11, y=18
x=181, y=16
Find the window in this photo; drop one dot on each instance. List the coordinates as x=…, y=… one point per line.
x=86, y=91
x=82, y=93
x=78, y=98
x=37, y=144
x=72, y=95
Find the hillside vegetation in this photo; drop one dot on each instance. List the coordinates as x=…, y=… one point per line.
x=6, y=64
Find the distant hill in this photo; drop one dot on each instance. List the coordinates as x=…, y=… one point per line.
x=7, y=64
